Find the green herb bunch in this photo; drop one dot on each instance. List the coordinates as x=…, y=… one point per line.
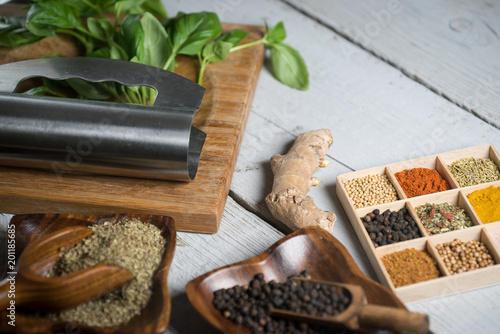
x=140, y=31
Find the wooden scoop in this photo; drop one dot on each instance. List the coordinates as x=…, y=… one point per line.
x=359, y=314
x=29, y=287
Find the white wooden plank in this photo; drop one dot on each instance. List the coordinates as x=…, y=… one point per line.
x=377, y=116
x=253, y=181
x=241, y=235
x=351, y=103
x=451, y=46
x=468, y=312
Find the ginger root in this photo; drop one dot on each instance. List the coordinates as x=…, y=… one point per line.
x=288, y=201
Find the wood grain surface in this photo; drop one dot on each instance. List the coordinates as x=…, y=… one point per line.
x=195, y=206
x=450, y=46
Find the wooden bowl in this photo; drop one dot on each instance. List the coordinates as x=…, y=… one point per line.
x=155, y=316
x=311, y=249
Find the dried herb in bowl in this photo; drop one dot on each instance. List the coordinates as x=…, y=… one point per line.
x=443, y=217
x=472, y=171
x=131, y=244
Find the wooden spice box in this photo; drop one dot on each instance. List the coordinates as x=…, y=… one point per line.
x=489, y=234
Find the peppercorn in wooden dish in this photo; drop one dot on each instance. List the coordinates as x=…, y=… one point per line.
x=432, y=209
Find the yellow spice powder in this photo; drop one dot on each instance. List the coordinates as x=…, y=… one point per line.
x=486, y=203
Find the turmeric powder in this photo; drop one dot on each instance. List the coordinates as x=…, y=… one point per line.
x=486, y=203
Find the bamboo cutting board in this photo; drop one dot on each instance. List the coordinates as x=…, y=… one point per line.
x=196, y=206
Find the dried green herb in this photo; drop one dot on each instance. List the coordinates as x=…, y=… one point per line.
x=472, y=171
x=131, y=244
x=441, y=218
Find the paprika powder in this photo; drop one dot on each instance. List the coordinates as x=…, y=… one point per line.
x=421, y=181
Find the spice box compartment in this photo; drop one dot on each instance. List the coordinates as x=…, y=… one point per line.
x=478, y=152
x=446, y=284
x=455, y=197
x=469, y=190
x=429, y=163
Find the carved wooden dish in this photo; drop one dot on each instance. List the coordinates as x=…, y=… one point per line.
x=155, y=316
x=311, y=249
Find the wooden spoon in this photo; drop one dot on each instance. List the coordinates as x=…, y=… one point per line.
x=359, y=314
x=29, y=287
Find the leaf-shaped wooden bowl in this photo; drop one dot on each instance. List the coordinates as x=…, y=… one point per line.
x=155, y=316
x=310, y=248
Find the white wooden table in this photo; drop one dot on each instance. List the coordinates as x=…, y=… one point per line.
x=393, y=80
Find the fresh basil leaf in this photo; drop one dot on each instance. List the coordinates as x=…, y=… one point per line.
x=13, y=32
x=131, y=36
x=156, y=47
x=100, y=4
x=117, y=52
x=154, y=7
x=38, y=91
x=233, y=36
x=190, y=32
x=86, y=7
x=134, y=89
x=276, y=34
x=216, y=51
x=100, y=29
x=289, y=66
x=82, y=7
x=104, y=52
x=44, y=18
x=168, y=22
x=49, y=87
x=125, y=6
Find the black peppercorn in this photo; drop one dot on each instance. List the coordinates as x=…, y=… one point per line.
x=390, y=226
x=254, y=314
